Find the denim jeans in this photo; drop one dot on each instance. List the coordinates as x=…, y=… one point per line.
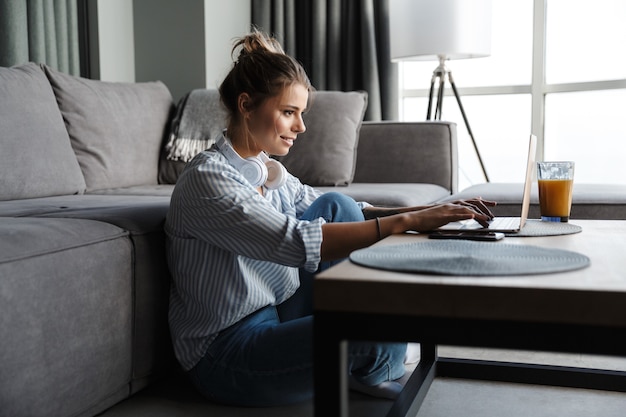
x=266, y=359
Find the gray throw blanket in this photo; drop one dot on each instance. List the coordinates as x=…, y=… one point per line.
x=199, y=119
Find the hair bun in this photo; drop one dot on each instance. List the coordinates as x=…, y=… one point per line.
x=261, y=70
x=257, y=41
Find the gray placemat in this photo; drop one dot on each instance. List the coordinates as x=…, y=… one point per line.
x=459, y=257
x=535, y=227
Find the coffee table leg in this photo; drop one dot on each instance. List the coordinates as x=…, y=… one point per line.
x=416, y=388
x=330, y=333
x=330, y=369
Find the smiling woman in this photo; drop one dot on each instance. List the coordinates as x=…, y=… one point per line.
x=273, y=126
x=241, y=311
x=244, y=245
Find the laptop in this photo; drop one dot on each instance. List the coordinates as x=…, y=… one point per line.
x=504, y=224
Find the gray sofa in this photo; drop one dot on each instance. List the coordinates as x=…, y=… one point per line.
x=83, y=196
x=83, y=281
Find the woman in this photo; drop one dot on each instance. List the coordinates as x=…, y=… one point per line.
x=241, y=241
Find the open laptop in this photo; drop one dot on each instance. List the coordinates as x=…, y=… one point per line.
x=504, y=224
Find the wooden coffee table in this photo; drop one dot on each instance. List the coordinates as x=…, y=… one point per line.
x=582, y=311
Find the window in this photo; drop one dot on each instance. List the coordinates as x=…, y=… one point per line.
x=570, y=93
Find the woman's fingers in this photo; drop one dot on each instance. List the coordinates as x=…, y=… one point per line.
x=474, y=210
x=480, y=205
x=436, y=216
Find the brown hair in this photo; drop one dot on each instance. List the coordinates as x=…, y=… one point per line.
x=262, y=70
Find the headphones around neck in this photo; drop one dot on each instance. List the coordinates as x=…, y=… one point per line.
x=258, y=170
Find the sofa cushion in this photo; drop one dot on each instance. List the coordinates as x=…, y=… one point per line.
x=36, y=158
x=66, y=296
x=116, y=129
x=326, y=153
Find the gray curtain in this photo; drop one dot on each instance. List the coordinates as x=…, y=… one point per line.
x=42, y=31
x=343, y=44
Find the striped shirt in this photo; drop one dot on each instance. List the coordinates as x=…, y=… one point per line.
x=231, y=250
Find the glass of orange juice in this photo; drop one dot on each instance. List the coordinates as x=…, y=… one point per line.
x=555, y=180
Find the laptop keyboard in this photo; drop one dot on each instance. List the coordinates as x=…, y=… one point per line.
x=504, y=223
x=498, y=223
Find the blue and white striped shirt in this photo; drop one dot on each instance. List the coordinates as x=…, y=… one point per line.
x=232, y=251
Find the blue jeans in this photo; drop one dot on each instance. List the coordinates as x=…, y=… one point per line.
x=266, y=359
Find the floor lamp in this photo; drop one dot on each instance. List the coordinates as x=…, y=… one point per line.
x=427, y=30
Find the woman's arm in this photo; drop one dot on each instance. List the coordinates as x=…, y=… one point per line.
x=372, y=212
x=479, y=204
x=340, y=239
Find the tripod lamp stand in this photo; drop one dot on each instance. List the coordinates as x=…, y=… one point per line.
x=427, y=30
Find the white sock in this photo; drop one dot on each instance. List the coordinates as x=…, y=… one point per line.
x=412, y=353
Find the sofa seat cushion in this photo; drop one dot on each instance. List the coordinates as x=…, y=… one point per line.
x=36, y=159
x=163, y=190
x=589, y=201
x=137, y=214
x=65, y=316
x=392, y=195
x=116, y=129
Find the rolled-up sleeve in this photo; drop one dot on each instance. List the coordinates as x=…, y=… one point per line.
x=311, y=233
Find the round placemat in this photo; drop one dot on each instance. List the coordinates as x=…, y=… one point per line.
x=536, y=227
x=460, y=257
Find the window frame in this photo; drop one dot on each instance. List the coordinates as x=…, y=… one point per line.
x=538, y=89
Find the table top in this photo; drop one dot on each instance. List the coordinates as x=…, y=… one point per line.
x=593, y=295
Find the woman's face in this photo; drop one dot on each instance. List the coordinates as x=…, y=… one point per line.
x=276, y=123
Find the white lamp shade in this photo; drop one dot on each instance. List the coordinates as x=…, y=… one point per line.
x=424, y=30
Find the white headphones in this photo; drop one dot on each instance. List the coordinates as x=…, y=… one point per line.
x=258, y=170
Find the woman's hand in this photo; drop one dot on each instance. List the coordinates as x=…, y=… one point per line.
x=479, y=205
x=436, y=216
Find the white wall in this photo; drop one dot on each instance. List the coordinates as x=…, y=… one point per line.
x=224, y=21
x=115, y=29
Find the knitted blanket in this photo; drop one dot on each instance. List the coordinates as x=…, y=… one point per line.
x=199, y=119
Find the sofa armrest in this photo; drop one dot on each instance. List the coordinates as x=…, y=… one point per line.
x=408, y=152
